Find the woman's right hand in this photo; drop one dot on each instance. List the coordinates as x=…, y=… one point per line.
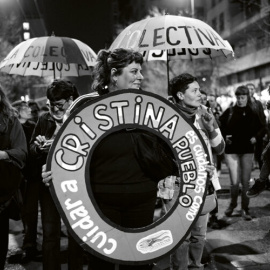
x=46, y=176
x=41, y=143
x=228, y=139
x=166, y=187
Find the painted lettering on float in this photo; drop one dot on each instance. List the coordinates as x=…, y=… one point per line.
x=82, y=219
x=74, y=147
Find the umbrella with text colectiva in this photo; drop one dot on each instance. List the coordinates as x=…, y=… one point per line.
x=50, y=56
x=172, y=37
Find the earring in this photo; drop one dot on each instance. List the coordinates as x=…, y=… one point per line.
x=115, y=83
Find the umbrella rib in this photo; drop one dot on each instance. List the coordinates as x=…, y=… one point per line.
x=224, y=53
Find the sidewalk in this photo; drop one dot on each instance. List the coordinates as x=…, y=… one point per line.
x=238, y=245
x=241, y=244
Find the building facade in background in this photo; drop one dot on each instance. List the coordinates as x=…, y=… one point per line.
x=246, y=25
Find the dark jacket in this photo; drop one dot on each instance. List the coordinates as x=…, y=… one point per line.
x=258, y=107
x=30, y=169
x=241, y=123
x=45, y=126
x=12, y=141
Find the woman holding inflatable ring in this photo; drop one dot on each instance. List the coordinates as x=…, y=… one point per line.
x=124, y=192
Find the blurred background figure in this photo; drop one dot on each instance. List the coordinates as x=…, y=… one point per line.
x=240, y=125
x=30, y=188
x=217, y=159
x=13, y=152
x=217, y=112
x=43, y=110
x=203, y=98
x=258, y=107
x=34, y=110
x=262, y=183
x=214, y=106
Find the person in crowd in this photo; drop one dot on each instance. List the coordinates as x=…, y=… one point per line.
x=43, y=109
x=258, y=107
x=240, y=126
x=203, y=98
x=125, y=194
x=214, y=106
x=262, y=182
x=34, y=110
x=217, y=111
x=253, y=93
x=186, y=92
x=13, y=153
x=31, y=188
x=60, y=94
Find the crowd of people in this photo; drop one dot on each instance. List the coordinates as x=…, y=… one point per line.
x=235, y=136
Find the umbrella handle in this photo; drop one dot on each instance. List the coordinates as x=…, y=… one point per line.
x=53, y=69
x=168, y=74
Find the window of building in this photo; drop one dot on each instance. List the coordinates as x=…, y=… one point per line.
x=224, y=81
x=262, y=42
x=229, y=79
x=221, y=21
x=252, y=8
x=241, y=76
x=240, y=50
x=214, y=23
x=251, y=74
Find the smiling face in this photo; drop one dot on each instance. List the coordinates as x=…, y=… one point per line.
x=130, y=77
x=192, y=95
x=58, y=108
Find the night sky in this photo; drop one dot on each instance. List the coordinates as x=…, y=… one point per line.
x=86, y=20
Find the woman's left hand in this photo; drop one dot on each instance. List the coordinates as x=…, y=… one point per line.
x=166, y=187
x=253, y=140
x=3, y=155
x=46, y=176
x=208, y=121
x=210, y=168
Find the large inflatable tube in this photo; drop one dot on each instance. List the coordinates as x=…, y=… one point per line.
x=69, y=160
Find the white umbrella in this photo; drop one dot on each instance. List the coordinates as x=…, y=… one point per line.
x=50, y=56
x=171, y=37
x=174, y=37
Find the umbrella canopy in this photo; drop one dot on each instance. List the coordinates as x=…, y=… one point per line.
x=183, y=53
x=47, y=69
x=171, y=37
x=50, y=56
